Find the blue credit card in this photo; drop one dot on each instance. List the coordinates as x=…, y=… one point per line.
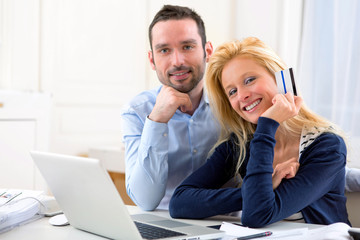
x=285, y=81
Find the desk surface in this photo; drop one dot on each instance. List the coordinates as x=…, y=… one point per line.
x=41, y=229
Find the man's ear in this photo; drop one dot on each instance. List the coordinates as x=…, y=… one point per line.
x=151, y=59
x=208, y=50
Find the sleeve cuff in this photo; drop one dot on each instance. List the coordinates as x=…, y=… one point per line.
x=267, y=126
x=155, y=133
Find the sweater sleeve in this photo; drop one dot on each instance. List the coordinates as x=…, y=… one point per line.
x=321, y=168
x=200, y=195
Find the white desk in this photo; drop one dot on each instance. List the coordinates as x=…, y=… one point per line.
x=41, y=229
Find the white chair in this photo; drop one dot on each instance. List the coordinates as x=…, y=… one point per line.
x=352, y=186
x=352, y=179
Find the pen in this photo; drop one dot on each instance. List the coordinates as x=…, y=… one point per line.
x=239, y=224
x=258, y=235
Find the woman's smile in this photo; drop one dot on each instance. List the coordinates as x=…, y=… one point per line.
x=250, y=107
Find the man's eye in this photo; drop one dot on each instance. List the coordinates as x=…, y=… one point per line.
x=188, y=47
x=232, y=92
x=249, y=80
x=165, y=50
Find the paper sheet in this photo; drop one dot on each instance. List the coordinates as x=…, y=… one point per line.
x=336, y=231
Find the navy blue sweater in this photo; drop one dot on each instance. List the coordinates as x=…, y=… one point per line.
x=317, y=190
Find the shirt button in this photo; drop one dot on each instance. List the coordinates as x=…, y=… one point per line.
x=195, y=150
x=191, y=120
x=165, y=134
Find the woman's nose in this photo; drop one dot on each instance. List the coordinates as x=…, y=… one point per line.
x=243, y=94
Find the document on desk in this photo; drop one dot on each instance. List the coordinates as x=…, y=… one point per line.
x=336, y=231
x=241, y=231
x=18, y=207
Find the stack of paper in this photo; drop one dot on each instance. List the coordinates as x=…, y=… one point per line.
x=18, y=207
x=335, y=231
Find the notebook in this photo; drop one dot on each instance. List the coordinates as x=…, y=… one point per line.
x=91, y=202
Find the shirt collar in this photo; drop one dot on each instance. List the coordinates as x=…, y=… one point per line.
x=205, y=96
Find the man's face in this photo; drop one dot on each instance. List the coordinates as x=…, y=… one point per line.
x=177, y=54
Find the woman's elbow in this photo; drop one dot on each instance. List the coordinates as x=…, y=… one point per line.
x=175, y=207
x=173, y=212
x=179, y=204
x=254, y=221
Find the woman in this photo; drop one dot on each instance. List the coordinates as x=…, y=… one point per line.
x=291, y=160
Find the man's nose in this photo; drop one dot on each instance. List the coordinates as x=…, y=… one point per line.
x=177, y=58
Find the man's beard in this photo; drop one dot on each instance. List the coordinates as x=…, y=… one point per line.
x=186, y=88
x=193, y=82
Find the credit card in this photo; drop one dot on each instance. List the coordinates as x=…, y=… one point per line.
x=285, y=81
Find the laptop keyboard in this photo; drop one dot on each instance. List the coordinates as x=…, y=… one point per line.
x=151, y=232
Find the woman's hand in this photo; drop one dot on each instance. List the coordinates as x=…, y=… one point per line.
x=287, y=169
x=284, y=106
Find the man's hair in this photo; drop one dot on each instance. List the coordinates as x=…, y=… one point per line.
x=171, y=12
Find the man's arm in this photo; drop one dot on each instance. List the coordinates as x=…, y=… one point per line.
x=146, y=146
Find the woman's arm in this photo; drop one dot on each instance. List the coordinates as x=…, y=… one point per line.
x=321, y=168
x=200, y=195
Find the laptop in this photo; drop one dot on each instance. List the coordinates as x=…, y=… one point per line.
x=91, y=202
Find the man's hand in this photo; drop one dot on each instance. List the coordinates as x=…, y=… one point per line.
x=287, y=169
x=167, y=102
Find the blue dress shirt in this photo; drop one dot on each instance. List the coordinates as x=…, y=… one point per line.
x=159, y=156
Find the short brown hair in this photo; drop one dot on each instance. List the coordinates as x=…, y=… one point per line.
x=171, y=12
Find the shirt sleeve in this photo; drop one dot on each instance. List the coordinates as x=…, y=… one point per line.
x=200, y=195
x=321, y=168
x=352, y=183
x=146, y=155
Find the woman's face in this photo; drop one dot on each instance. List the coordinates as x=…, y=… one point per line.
x=249, y=87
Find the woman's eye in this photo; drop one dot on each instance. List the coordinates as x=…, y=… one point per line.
x=232, y=92
x=249, y=80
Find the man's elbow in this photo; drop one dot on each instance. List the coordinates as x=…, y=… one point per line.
x=145, y=204
x=147, y=207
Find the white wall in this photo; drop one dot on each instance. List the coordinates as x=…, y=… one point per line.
x=93, y=60
x=278, y=23
x=92, y=54
x=19, y=44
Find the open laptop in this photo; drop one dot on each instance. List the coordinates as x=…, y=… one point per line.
x=91, y=202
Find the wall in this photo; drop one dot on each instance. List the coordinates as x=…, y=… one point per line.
x=91, y=55
x=19, y=44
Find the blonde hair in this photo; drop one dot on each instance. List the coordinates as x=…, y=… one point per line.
x=230, y=121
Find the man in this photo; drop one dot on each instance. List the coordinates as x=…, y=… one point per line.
x=169, y=131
